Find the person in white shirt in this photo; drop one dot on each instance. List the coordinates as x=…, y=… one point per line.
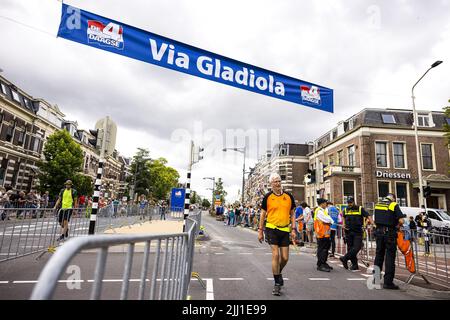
x=309, y=222
x=322, y=224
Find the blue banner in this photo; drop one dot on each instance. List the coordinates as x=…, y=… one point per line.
x=113, y=36
x=177, y=199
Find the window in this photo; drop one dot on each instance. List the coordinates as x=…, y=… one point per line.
x=3, y=88
x=388, y=118
x=340, y=157
x=20, y=138
x=330, y=159
x=381, y=154
x=35, y=146
x=401, y=190
x=448, y=121
x=433, y=215
x=423, y=120
x=9, y=133
x=399, y=155
x=349, y=189
x=427, y=156
x=383, y=189
x=351, y=156
x=3, y=168
x=15, y=95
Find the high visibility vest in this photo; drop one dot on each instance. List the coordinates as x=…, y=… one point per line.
x=321, y=229
x=272, y=226
x=384, y=214
x=352, y=212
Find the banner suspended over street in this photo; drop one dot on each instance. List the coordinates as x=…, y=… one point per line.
x=113, y=36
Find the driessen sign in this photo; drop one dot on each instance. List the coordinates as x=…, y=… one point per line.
x=103, y=33
x=392, y=175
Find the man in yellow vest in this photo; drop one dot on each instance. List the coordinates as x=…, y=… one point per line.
x=278, y=206
x=69, y=199
x=322, y=224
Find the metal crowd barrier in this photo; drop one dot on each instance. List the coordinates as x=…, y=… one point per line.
x=168, y=278
x=25, y=231
x=431, y=251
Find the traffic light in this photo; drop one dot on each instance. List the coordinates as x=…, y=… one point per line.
x=307, y=179
x=94, y=141
x=426, y=191
x=312, y=175
x=200, y=150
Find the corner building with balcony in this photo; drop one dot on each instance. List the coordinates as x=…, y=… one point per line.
x=374, y=153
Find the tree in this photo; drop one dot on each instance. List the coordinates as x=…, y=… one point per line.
x=219, y=191
x=63, y=160
x=206, y=203
x=193, y=199
x=84, y=185
x=140, y=172
x=162, y=179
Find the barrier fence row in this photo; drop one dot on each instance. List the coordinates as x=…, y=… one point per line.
x=163, y=267
x=25, y=231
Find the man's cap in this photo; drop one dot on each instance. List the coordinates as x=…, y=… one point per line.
x=350, y=200
x=68, y=182
x=320, y=201
x=390, y=197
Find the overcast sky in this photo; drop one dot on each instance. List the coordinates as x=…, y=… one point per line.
x=369, y=52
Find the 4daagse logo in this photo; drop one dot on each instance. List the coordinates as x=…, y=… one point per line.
x=310, y=94
x=110, y=35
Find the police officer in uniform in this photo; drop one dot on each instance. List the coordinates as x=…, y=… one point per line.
x=353, y=225
x=387, y=218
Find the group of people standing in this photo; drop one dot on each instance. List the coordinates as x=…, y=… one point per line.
x=281, y=223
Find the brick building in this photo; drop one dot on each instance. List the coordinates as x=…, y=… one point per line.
x=374, y=152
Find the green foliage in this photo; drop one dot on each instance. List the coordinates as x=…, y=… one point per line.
x=84, y=185
x=206, y=203
x=63, y=159
x=140, y=172
x=219, y=191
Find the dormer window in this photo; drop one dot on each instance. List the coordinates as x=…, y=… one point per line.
x=388, y=118
x=423, y=120
x=15, y=95
x=3, y=88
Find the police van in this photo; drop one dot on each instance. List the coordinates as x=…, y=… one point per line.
x=439, y=218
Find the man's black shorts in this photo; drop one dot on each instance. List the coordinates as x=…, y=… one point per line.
x=64, y=214
x=277, y=237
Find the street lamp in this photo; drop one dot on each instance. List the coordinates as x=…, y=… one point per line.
x=214, y=184
x=243, y=151
x=419, y=158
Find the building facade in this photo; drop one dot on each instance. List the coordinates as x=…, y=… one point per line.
x=374, y=152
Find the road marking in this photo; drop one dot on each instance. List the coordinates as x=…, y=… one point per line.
x=366, y=275
x=218, y=253
x=4, y=282
x=70, y=281
x=319, y=279
x=230, y=279
x=245, y=253
x=25, y=281
x=268, y=253
x=356, y=279
x=272, y=278
x=209, y=289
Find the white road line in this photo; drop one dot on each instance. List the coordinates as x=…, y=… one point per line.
x=268, y=253
x=245, y=253
x=319, y=279
x=209, y=289
x=4, y=282
x=230, y=279
x=70, y=281
x=218, y=253
x=272, y=278
x=356, y=279
x=366, y=275
x=25, y=281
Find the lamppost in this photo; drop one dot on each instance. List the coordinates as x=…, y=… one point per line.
x=214, y=184
x=243, y=151
x=422, y=201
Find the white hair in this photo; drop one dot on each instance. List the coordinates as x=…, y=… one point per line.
x=273, y=176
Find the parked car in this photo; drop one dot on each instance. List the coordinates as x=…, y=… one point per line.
x=440, y=219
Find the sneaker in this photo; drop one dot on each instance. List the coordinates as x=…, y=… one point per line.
x=354, y=267
x=281, y=283
x=324, y=268
x=276, y=290
x=326, y=264
x=61, y=237
x=67, y=233
x=344, y=262
x=390, y=286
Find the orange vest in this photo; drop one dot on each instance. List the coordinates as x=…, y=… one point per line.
x=321, y=229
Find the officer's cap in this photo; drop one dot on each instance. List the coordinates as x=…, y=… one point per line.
x=320, y=201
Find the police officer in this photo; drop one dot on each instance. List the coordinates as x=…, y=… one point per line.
x=387, y=218
x=353, y=225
